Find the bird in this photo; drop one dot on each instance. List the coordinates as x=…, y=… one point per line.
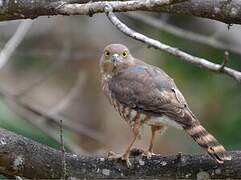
x=144, y=94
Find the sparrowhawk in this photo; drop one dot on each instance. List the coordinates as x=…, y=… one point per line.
x=145, y=94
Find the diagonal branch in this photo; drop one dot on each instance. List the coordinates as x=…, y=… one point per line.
x=20, y=156
x=197, y=61
x=185, y=34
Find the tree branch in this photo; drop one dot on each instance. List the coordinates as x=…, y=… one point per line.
x=22, y=9
x=209, y=40
x=12, y=9
x=227, y=11
x=20, y=156
x=118, y=6
x=197, y=61
x=222, y=10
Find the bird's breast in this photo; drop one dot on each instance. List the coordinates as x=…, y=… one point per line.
x=128, y=114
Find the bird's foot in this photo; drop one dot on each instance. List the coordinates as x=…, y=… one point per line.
x=123, y=157
x=149, y=154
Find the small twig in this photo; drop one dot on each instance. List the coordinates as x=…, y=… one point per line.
x=62, y=150
x=225, y=61
x=197, y=61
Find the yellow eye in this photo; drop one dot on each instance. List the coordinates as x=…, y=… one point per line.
x=124, y=54
x=107, y=53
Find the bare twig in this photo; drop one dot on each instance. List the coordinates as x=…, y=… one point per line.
x=62, y=150
x=197, y=61
x=185, y=34
x=225, y=61
x=13, y=43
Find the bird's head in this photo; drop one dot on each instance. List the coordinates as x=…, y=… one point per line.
x=115, y=57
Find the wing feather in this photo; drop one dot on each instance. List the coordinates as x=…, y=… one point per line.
x=150, y=90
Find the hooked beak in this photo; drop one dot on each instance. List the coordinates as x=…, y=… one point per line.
x=116, y=58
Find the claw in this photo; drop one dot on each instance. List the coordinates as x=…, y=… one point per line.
x=124, y=157
x=127, y=160
x=149, y=154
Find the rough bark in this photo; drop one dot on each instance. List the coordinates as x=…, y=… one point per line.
x=23, y=157
x=22, y=9
x=227, y=11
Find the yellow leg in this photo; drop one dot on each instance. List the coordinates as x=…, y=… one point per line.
x=154, y=130
x=126, y=155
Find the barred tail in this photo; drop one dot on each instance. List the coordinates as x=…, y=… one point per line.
x=208, y=142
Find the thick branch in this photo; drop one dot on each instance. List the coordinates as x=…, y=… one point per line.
x=197, y=61
x=222, y=10
x=22, y=9
x=23, y=157
x=118, y=6
x=227, y=11
x=13, y=9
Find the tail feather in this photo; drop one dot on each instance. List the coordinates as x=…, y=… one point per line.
x=208, y=142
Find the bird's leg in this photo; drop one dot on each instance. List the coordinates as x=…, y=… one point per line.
x=126, y=155
x=154, y=129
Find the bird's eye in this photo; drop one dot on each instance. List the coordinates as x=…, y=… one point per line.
x=107, y=53
x=124, y=54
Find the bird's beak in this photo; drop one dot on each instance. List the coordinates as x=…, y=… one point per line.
x=116, y=58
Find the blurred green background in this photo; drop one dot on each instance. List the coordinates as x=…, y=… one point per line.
x=56, y=65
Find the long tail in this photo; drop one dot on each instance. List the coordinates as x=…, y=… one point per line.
x=208, y=142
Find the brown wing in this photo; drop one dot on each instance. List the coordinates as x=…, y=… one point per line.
x=150, y=90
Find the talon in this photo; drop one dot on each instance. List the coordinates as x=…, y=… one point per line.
x=111, y=153
x=149, y=154
x=128, y=163
x=114, y=156
x=127, y=160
